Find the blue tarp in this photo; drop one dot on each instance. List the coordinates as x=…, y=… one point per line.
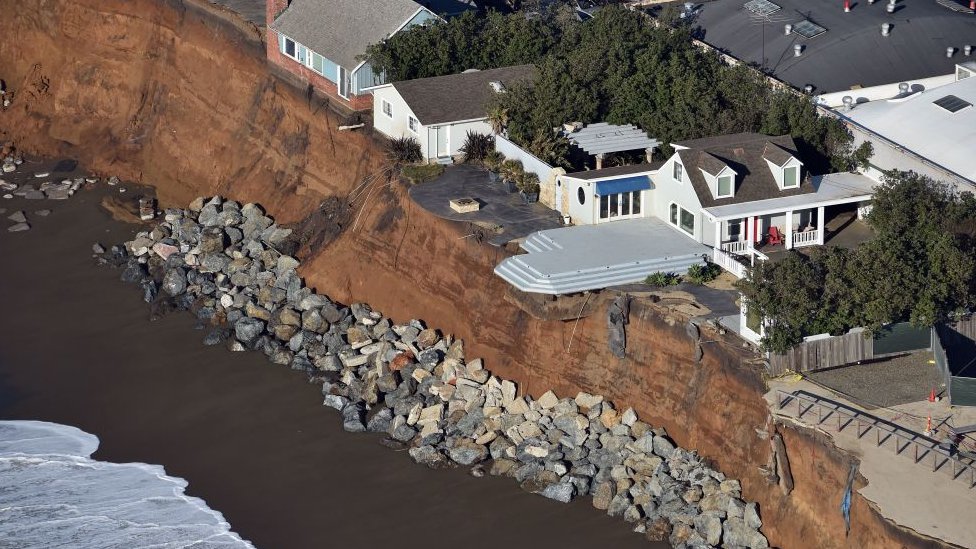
x=623, y=185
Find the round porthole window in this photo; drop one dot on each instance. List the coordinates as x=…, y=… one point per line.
x=581, y=196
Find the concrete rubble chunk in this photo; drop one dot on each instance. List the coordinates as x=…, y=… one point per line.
x=548, y=400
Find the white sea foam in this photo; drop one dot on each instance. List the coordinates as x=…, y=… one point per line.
x=52, y=494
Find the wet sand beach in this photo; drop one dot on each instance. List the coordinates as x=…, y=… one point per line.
x=253, y=440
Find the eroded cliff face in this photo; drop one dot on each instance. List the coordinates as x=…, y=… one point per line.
x=178, y=95
x=171, y=93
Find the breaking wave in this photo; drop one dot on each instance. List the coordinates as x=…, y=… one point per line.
x=52, y=494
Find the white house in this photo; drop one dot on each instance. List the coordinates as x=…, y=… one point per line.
x=440, y=111
x=735, y=193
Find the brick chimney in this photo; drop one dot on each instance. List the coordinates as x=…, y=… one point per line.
x=274, y=9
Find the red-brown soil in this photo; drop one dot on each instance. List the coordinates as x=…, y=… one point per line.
x=178, y=95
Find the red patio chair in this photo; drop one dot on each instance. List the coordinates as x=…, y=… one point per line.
x=774, y=236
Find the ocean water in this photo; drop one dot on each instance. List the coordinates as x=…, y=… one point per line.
x=52, y=494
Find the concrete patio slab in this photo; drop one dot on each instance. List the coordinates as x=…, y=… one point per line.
x=498, y=207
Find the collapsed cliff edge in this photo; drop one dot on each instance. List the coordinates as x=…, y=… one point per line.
x=176, y=93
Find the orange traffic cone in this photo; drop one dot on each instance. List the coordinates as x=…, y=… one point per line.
x=847, y=6
x=928, y=426
x=932, y=395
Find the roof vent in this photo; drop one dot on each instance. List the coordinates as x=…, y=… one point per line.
x=797, y=50
x=885, y=29
x=967, y=49
x=848, y=102
x=788, y=28
x=903, y=88
x=497, y=86
x=952, y=103
x=949, y=51
x=890, y=8
x=808, y=88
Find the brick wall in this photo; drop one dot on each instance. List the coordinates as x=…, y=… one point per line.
x=304, y=74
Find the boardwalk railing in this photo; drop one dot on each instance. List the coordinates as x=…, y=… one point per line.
x=922, y=447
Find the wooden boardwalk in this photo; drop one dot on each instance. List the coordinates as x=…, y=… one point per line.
x=919, y=447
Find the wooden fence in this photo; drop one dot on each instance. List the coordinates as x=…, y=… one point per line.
x=824, y=352
x=827, y=352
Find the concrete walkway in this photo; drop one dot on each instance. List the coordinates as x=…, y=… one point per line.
x=499, y=208
x=909, y=493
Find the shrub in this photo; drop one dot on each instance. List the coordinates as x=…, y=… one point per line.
x=493, y=160
x=420, y=173
x=528, y=183
x=512, y=170
x=404, y=150
x=662, y=279
x=477, y=146
x=700, y=274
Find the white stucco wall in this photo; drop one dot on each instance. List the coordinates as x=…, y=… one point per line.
x=665, y=190
x=580, y=214
x=398, y=125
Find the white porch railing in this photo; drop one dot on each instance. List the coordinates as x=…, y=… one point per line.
x=728, y=262
x=741, y=247
x=805, y=238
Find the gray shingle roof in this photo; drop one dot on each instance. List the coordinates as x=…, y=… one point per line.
x=776, y=154
x=456, y=97
x=341, y=30
x=589, y=175
x=710, y=163
x=852, y=51
x=744, y=154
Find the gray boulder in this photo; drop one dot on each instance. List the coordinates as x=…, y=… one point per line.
x=352, y=417
x=18, y=217
x=735, y=532
x=18, y=228
x=174, y=282
x=562, y=492
x=248, y=329
x=468, y=453
x=428, y=455
x=380, y=421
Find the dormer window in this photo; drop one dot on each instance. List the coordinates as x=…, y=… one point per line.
x=725, y=185
x=791, y=177
x=678, y=171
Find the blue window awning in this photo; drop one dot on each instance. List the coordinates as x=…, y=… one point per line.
x=623, y=185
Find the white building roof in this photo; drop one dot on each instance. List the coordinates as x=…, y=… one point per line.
x=833, y=188
x=919, y=125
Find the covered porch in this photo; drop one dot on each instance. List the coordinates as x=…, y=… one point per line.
x=753, y=231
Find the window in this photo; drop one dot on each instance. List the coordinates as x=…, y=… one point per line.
x=604, y=207
x=412, y=123
x=614, y=205
x=687, y=222
x=290, y=48
x=636, y=202
x=791, y=177
x=581, y=196
x=735, y=230
x=683, y=219
x=678, y=171
x=318, y=63
x=725, y=186
x=387, y=109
